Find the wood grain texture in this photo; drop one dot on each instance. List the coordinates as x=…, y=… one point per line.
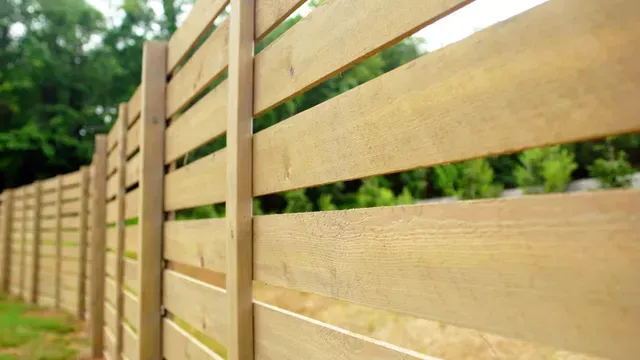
x=205, y=121
x=208, y=62
x=112, y=161
x=71, y=179
x=500, y=266
x=202, y=182
x=109, y=343
x=178, y=344
x=270, y=13
x=49, y=211
x=131, y=308
x=200, y=243
x=206, y=310
x=70, y=222
x=239, y=160
x=132, y=171
x=112, y=139
x=199, y=20
x=131, y=239
x=49, y=185
x=110, y=319
x=131, y=274
x=111, y=261
x=71, y=193
x=49, y=198
x=98, y=246
x=112, y=187
x=71, y=207
x=110, y=290
x=134, y=105
x=111, y=212
x=133, y=138
x=386, y=125
x=130, y=343
x=281, y=334
x=150, y=198
x=308, y=53
x=132, y=204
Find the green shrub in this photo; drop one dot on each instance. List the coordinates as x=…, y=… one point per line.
x=545, y=170
x=614, y=172
x=469, y=180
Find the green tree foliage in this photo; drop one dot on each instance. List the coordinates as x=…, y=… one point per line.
x=545, y=170
x=613, y=169
x=468, y=180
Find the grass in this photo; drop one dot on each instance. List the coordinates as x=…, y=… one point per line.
x=28, y=332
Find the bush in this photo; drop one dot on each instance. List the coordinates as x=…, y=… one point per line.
x=469, y=180
x=614, y=172
x=545, y=170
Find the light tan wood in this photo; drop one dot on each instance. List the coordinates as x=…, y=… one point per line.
x=109, y=343
x=131, y=274
x=151, y=190
x=110, y=319
x=49, y=211
x=118, y=269
x=69, y=282
x=309, y=53
x=98, y=246
x=135, y=104
x=112, y=161
x=206, y=310
x=205, y=121
x=239, y=205
x=501, y=266
x=71, y=179
x=45, y=300
x=130, y=343
x=112, y=139
x=71, y=194
x=57, y=241
x=281, y=334
x=111, y=261
x=112, y=187
x=69, y=298
x=47, y=224
x=71, y=207
x=199, y=20
x=35, y=247
x=208, y=62
x=7, y=239
x=132, y=204
x=112, y=212
x=112, y=238
x=131, y=309
x=70, y=266
x=487, y=72
x=70, y=222
x=84, y=240
x=70, y=237
x=270, y=13
x=132, y=170
x=110, y=290
x=49, y=198
x=133, y=138
x=200, y=243
x=131, y=239
x=178, y=344
x=49, y=185
x=199, y=183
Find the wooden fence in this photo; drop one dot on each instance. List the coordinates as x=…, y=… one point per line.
x=562, y=270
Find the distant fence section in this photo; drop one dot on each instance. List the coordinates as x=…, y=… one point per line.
x=562, y=270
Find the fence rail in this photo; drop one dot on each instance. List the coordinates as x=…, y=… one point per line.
x=562, y=270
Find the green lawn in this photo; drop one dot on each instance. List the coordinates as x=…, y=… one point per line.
x=29, y=332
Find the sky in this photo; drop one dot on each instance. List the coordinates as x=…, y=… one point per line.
x=455, y=27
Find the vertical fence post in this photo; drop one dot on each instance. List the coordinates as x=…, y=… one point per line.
x=98, y=245
x=7, y=224
x=122, y=162
x=239, y=181
x=35, y=267
x=58, y=240
x=23, y=241
x=84, y=201
x=152, y=125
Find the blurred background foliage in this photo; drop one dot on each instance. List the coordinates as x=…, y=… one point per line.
x=64, y=67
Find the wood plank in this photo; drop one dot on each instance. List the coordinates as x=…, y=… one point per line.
x=49, y=185
x=112, y=162
x=131, y=308
x=129, y=343
x=205, y=121
x=206, y=310
x=111, y=262
x=73, y=193
x=37, y=238
x=71, y=207
x=8, y=241
x=208, y=62
x=121, y=209
x=71, y=179
x=178, y=344
x=84, y=240
x=132, y=171
x=239, y=205
x=199, y=183
x=110, y=290
x=200, y=243
x=112, y=139
x=109, y=344
x=131, y=274
x=110, y=319
x=112, y=187
x=70, y=222
x=135, y=104
x=151, y=214
x=69, y=299
x=49, y=211
x=185, y=37
x=308, y=54
x=70, y=237
x=48, y=224
x=281, y=334
x=49, y=198
x=495, y=265
x=132, y=204
x=112, y=238
x=112, y=212
x=505, y=59
x=131, y=238
x=270, y=13
x=46, y=301
x=69, y=282
x=58, y=242
x=133, y=138
x=70, y=266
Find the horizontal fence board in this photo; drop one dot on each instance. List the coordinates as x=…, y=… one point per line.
x=131, y=312
x=135, y=105
x=112, y=238
x=208, y=62
x=270, y=13
x=48, y=223
x=185, y=37
x=110, y=290
x=280, y=334
x=131, y=204
x=132, y=171
x=129, y=343
x=71, y=179
x=307, y=53
x=112, y=139
x=109, y=344
x=69, y=281
x=72, y=193
x=112, y=162
x=131, y=238
x=70, y=222
x=70, y=237
x=49, y=185
x=70, y=266
x=178, y=344
x=203, y=122
x=495, y=265
x=112, y=212
x=47, y=301
x=111, y=263
x=200, y=243
x=408, y=117
x=133, y=138
x=110, y=319
x=49, y=211
x=49, y=198
x=72, y=207
x=112, y=187
x=206, y=310
x=131, y=274
x=69, y=298
x=202, y=182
